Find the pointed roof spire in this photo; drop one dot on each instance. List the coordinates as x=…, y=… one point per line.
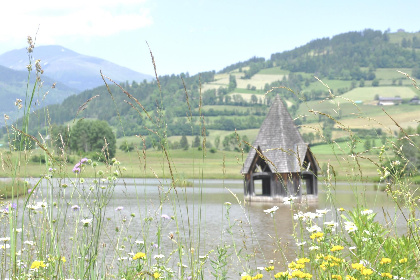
x=279, y=141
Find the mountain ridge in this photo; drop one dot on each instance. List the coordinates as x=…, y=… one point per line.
x=75, y=70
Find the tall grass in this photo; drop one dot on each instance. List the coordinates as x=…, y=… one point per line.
x=73, y=227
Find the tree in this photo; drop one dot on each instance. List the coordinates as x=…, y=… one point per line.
x=367, y=144
x=93, y=136
x=254, y=99
x=60, y=138
x=245, y=146
x=407, y=150
x=232, y=83
x=217, y=142
x=308, y=137
x=196, y=142
x=416, y=72
x=126, y=147
x=184, y=142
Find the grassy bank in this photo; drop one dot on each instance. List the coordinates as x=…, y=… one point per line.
x=12, y=188
x=192, y=162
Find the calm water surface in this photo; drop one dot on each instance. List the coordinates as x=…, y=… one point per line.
x=202, y=216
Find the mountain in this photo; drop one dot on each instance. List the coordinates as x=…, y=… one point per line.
x=13, y=85
x=70, y=68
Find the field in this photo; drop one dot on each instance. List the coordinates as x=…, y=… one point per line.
x=367, y=94
x=185, y=164
x=192, y=163
x=332, y=84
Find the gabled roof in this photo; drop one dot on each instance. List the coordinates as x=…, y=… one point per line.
x=280, y=142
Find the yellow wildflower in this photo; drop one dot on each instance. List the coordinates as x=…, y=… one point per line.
x=281, y=274
x=156, y=275
x=37, y=264
x=404, y=260
x=357, y=266
x=63, y=259
x=246, y=277
x=332, y=258
x=294, y=265
x=336, y=248
x=336, y=277
x=139, y=255
x=258, y=276
x=303, y=260
x=317, y=235
x=386, y=274
x=385, y=261
x=348, y=277
x=300, y=274
x=269, y=268
x=366, y=271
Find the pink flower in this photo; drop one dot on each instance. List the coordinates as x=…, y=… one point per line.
x=77, y=166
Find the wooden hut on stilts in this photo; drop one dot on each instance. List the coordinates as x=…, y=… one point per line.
x=279, y=164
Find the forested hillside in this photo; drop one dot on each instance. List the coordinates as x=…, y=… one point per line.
x=13, y=84
x=357, y=66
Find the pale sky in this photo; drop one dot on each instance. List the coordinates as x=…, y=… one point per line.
x=192, y=36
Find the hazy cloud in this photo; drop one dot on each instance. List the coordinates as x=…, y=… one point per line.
x=87, y=18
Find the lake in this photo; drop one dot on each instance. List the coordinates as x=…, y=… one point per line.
x=201, y=218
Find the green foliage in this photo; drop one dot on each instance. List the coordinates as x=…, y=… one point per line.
x=217, y=142
x=93, y=136
x=254, y=68
x=308, y=137
x=196, y=142
x=416, y=72
x=20, y=142
x=367, y=144
x=407, y=150
x=132, y=119
x=341, y=56
x=242, y=64
x=245, y=146
x=60, y=135
x=127, y=147
x=183, y=143
x=38, y=159
x=234, y=142
x=220, y=262
x=232, y=83
x=13, y=188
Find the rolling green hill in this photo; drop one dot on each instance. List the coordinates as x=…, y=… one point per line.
x=337, y=77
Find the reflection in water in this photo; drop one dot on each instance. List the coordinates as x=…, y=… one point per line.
x=200, y=219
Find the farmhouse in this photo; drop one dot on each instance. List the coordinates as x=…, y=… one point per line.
x=279, y=163
x=389, y=101
x=415, y=100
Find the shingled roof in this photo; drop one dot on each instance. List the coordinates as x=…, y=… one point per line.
x=280, y=142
